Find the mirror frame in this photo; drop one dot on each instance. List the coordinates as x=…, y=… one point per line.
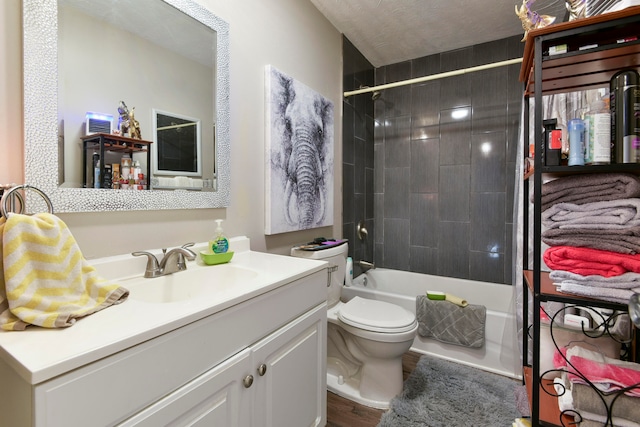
x=40, y=70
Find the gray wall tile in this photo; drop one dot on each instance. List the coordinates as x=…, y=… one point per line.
x=397, y=142
x=424, y=165
x=436, y=193
x=453, y=249
x=423, y=260
x=455, y=136
x=486, y=267
x=488, y=161
x=396, y=249
x=396, y=201
x=487, y=222
x=453, y=193
x=424, y=220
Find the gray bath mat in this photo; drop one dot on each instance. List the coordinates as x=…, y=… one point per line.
x=439, y=393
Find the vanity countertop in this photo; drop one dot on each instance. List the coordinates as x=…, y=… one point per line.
x=39, y=354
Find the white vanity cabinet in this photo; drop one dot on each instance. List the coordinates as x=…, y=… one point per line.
x=260, y=362
x=277, y=382
x=290, y=388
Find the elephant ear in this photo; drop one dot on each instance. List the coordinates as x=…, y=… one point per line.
x=326, y=113
x=280, y=96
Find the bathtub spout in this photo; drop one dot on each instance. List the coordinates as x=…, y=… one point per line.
x=366, y=266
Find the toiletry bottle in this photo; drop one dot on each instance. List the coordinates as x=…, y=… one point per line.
x=348, y=279
x=624, y=103
x=599, y=134
x=219, y=244
x=137, y=170
x=96, y=170
x=125, y=167
x=576, y=142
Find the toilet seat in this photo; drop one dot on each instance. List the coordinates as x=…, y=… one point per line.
x=376, y=316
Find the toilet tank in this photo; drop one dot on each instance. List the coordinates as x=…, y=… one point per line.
x=336, y=256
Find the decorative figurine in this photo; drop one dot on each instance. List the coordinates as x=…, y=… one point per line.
x=577, y=9
x=127, y=123
x=530, y=19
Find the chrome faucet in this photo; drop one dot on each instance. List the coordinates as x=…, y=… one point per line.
x=366, y=265
x=172, y=261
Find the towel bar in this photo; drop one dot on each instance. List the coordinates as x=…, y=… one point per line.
x=7, y=196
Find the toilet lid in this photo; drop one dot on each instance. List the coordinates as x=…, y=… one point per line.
x=377, y=316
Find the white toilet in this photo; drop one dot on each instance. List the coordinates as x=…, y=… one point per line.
x=365, y=338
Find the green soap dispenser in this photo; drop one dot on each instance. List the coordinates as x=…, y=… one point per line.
x=219, y=244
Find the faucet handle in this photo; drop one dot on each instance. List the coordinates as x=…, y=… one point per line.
x=153, y=268
x=182, y=263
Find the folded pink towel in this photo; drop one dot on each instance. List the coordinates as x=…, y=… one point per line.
x=607, y=374
x=587, y=261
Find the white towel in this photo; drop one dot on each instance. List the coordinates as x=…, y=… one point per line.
x=45, y=280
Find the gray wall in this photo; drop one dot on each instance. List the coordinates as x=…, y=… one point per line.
x=440, y=189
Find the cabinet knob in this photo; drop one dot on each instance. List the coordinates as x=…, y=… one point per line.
x=247, y=381
x=262, y=369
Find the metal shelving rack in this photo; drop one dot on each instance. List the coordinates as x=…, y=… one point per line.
x=545, y=74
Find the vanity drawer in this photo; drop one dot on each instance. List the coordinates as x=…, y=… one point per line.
x=114, y=388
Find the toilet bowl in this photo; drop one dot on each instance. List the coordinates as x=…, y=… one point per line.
x=365, y=338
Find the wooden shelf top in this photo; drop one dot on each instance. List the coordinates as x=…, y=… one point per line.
x=118, y=138
x=582, y=69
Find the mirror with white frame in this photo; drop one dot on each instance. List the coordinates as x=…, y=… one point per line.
x=61, y=86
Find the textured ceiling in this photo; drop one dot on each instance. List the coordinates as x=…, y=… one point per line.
x=391, y=31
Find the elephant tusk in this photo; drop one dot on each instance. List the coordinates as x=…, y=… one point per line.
x=323, y=204
x=288, y=193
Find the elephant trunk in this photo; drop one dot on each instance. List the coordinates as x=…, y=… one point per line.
x=306, y=171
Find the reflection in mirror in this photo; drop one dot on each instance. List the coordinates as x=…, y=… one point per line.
x=173, y=57
x=177, y=150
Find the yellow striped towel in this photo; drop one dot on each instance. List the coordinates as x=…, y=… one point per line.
x=45, y=280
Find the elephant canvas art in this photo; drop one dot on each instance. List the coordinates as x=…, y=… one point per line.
x=299, y=156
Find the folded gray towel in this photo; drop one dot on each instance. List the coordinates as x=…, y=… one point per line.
x=620, y=296
x=585, y=398
x=450, y=323
x=624, y=240
x=587, y=188
x=628, y=280
x=606, y=215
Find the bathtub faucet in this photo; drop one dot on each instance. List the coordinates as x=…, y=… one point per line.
x=366, y=265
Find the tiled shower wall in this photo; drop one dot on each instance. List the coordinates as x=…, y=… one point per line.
x=430, y=167
x=358, y=155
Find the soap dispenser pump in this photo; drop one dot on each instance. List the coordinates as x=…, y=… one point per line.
x=220, y=244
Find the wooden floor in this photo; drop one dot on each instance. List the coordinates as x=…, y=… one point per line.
x=345, y=413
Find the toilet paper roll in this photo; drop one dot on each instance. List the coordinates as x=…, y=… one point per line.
x=456, y=300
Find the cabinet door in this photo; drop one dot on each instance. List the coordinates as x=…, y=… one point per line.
x=290, y=373
x=216, y=398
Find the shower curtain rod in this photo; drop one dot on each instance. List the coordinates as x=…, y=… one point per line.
x=433, y=77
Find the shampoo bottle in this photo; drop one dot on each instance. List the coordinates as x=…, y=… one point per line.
x=348, y=280
x=219, y=244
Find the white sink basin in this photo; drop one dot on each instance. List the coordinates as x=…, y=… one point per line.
x=197, y=282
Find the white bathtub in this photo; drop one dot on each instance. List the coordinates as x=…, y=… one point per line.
x=500, y=352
